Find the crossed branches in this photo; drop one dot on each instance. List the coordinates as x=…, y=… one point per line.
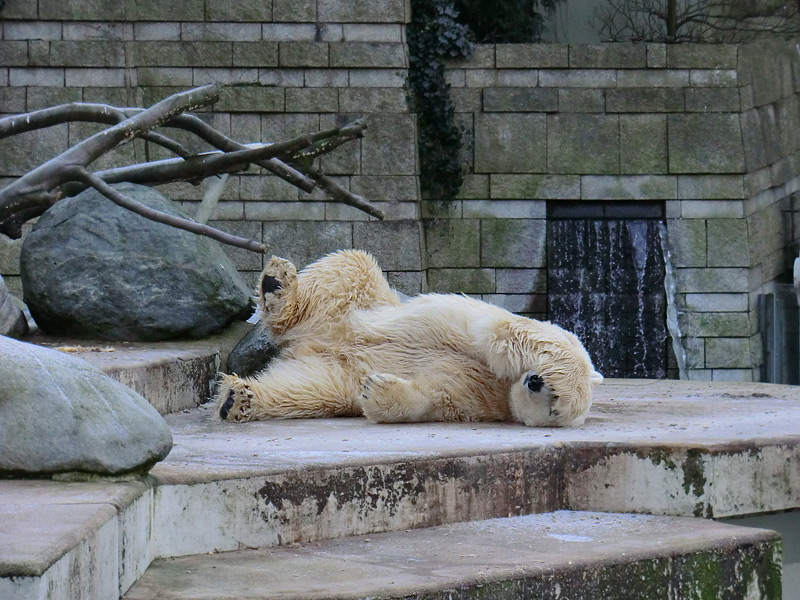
x=68, y=173
x=695, y=20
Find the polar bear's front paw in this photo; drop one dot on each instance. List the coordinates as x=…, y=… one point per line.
x=235, y=400
x=278, y=276
x=387, y=398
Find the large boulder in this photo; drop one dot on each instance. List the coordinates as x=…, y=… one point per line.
x=59, y=414
x=12, y=320
x=91, y=269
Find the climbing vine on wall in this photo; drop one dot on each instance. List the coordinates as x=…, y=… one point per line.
x=434, y=33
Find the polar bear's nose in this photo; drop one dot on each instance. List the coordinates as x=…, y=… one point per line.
x=533, y=382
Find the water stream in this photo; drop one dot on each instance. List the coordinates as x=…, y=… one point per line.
x=606, y=284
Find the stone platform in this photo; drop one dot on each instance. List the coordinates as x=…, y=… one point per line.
x=670, y=449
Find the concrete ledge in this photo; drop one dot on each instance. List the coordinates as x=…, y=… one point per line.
x=661, y=447
x=562, y=554
x=72, y=540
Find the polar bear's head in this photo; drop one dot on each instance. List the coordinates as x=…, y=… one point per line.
x=553, y=376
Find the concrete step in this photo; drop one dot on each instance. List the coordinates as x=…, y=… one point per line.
x=554, y=555
x=172, y=376
x=666, y=448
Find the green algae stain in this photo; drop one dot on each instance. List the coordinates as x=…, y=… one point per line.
x=694, y=478
x=659, y=456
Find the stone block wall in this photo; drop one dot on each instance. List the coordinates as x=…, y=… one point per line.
x=292, y=66
x=708, y=131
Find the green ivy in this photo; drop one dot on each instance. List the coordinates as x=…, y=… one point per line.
x=435, y=33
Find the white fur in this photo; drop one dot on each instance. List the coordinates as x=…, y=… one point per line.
x=351, y=347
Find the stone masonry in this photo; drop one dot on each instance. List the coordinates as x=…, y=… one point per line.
x=709, y=131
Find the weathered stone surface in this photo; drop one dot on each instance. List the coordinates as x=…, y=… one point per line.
x=249, y=10
x=532, y=56
x=645, y=100
x=303, y=54
x=707, y=99
x=510, y=143
x=705, y=143
x=702, y=56
x=544, y=187
x=628, y=187
x=60, y=414
x=361, y=11
x=712, y=280
x=582, y=144
x=395, y=244
x=253, y=353
x=728, y=243
x=303, y=242
x=513, y=243
x=367, y=55
x=91, y=269
x=643, y=144
x=728, y=353
x=687, y=241
x=391, y=146
x=453, y=242
x=12, y=320
x=561, y=554
x=520, y=99
x=581, y=100
x=461, y=281
x=296, y=11
x=607, y=56
x=242, y=98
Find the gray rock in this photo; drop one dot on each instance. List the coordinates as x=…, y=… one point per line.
x=12, y=320
x=253, y=353
x=59, y=414
x=91, y=269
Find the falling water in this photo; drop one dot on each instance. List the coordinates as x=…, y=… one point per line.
x=670, y=287
x=605, y=283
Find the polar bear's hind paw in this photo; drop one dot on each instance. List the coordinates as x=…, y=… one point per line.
x=237, y=406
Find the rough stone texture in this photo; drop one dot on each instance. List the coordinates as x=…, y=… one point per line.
x=91, y=269
x=707, y=143
x=539, y=118
x=562, y=554
x=12, y=321
x=510, y=143
x=272, y=483
x=253, y=353
x=583, y=144
x=60, y=414
x=513, y=243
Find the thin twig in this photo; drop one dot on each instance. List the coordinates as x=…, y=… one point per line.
x=161, y=217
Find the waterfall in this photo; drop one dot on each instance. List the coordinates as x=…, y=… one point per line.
x=605, y=284
x=670, y=288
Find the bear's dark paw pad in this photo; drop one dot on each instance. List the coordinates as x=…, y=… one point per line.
x=226, y=407
x=270, y=284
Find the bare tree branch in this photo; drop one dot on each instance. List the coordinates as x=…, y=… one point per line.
x=40, y=182
x=695, y=20
x=161, y=217
x=68, y=173
x=343, y=195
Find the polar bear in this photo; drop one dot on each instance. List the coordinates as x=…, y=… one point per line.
x=351, y=347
